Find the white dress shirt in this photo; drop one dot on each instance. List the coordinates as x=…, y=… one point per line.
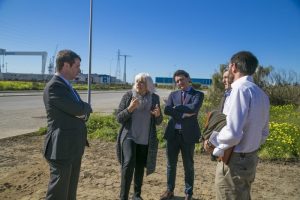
x=247, y=111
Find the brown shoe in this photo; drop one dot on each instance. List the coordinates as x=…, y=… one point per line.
x=167, y=195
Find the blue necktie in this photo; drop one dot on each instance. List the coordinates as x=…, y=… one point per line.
x=74, y=93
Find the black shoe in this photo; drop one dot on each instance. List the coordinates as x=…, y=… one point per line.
x=137, y=198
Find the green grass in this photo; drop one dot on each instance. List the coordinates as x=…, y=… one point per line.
x=104, y=127
x=28, y=85
x=283, y=142
x=284, y=139
x=20, y=85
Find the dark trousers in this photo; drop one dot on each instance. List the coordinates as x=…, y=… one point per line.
x=134, y=161
x=187, y=152
x=64, y=175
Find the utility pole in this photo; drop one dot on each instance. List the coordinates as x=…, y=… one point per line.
x=110, y=66
x=124, y=73
x=51, y=67
x=90, y=52
x=118, y=69
x=2, y=52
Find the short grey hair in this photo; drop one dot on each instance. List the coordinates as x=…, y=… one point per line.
x=147, y=78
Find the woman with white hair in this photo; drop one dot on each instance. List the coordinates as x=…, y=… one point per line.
x=139, y=113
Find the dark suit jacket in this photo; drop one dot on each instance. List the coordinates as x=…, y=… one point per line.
x=66, y=135
x=175, y=109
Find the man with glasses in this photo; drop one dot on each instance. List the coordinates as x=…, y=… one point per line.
x=182, y=132
x=247, y=128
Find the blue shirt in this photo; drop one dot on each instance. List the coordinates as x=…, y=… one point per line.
x=183, y=92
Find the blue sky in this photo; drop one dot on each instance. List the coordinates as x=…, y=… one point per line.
x=159, y=35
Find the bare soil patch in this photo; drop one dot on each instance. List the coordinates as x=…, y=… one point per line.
x=24, y=174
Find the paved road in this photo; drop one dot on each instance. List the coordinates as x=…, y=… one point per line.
x=24, y=112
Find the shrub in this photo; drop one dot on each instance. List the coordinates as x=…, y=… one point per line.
x=284, y=139
x=104, y=127
x=285, y=113
x=169, y=87
x=102, y=86
x=161, y=131
x=283, y=142
x=20, y=85
x=283, y=94
x=35, y=85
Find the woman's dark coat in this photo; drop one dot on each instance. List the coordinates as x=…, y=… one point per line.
x=124, y=117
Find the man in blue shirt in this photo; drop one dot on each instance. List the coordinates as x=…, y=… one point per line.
x=182, y=132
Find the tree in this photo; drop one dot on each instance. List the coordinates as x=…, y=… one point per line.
x=261, y=75
x=216, y=90
x=283, y=88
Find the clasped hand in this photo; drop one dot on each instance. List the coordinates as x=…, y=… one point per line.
x=208, y=147
x=185, y=115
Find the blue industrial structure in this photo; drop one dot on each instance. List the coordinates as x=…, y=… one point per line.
x=169, y=81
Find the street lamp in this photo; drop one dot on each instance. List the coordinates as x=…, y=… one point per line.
x=90, y=52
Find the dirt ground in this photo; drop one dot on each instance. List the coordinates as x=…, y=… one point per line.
x=24, y=174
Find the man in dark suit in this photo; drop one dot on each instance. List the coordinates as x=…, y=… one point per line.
x=67, y=134
x=182, y=132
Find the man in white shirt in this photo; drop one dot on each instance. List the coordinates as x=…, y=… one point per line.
x=247, y=111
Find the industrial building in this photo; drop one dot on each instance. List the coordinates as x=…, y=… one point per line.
x=82, y=78
x=170, y=81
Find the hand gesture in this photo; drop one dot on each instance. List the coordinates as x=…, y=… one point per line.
x=156, y=111
x=134, y=103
